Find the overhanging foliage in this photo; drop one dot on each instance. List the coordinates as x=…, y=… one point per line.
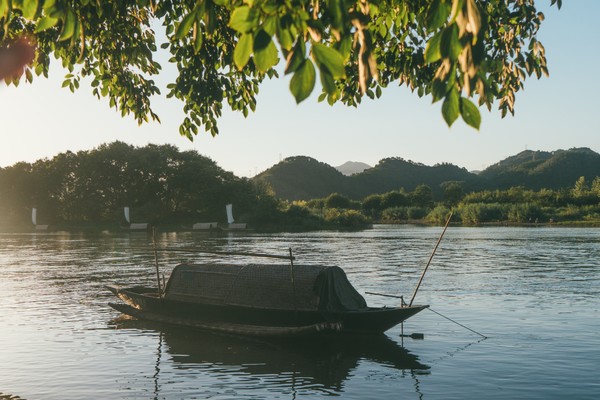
x=460, y=52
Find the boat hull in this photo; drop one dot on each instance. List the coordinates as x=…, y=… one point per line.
x=144, y=303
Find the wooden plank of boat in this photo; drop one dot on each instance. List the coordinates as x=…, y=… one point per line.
x=224, y=327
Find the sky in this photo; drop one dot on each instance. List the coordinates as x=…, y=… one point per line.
x=41, y=119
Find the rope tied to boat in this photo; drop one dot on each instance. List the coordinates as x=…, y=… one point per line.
x=429, y=308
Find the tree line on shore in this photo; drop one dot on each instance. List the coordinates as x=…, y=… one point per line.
x=158, y=183
x=164, y=186
x=579, y=204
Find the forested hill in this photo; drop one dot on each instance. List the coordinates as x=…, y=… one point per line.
x=538, y=169
x=303, y=178
x=395, y=173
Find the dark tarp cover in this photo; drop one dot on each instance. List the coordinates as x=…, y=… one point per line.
x=336, y=293
x=265, y=286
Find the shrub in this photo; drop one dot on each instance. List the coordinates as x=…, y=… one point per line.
x=372, y=204
x=336, y=200
x=416, y=212
x=476, y=213
x=317, y=204
x=394, y=214
x=301, y=217
x=438, y=215
x=346, y=219
x=394, y=199
x=525, y=212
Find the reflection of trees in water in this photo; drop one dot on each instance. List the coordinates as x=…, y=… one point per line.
x=321, y=364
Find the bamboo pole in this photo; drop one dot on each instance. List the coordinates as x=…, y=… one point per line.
x=429, y=262
x=156, y=262
x=293, y=281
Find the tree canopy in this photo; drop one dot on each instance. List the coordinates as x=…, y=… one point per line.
x=159, y=183
x=460, y=52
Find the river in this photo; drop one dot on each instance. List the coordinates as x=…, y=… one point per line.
x=533, y=292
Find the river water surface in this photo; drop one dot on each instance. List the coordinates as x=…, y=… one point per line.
x=534, y=292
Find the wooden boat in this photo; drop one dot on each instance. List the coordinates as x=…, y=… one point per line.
x=260, y=300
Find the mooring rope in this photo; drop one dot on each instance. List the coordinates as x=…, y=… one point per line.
x=457, y=323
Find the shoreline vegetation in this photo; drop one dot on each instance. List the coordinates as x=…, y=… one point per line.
x=171, y=190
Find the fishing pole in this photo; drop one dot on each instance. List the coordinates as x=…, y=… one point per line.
x=430, y=258
x=154, y=245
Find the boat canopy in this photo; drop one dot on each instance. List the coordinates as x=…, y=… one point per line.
x=323, y=288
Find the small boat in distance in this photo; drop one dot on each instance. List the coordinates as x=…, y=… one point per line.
x=260, y=300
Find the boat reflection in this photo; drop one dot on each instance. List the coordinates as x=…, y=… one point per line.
x=324, y=362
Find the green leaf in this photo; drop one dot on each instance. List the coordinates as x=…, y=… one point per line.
x=345, y=46
x=46, y=23
x=296, y=57
x=30, y=8
x=270, y=25
x=184, y=26
x=4, y=7
x=450, y=107
x=383, y=31
x=39, y=69
x=265, y=52
x=438, y=90
x=327, y=82
x=242, y=51
x=284, y=33
x=432, y=50
x=470, y=113
x=68, y=26
x=303, y=81
x=329, y=58
x=199, y=39
x=337, y=10
x=210, y=18
x=450, y=46
x=438, y=14
x=244, y=19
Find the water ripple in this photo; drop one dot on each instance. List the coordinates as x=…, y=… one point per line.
x=535, y=292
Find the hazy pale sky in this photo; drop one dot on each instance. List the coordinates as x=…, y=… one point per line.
x=560, y=112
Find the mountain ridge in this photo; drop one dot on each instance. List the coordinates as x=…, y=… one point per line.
x=305, y=178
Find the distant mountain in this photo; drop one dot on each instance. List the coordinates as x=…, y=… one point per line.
x=352, y=167
x=304, y=178
x=395, y=173
x=540, y=169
